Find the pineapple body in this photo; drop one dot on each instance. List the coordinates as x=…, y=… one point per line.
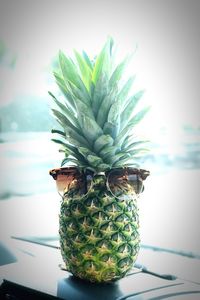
x=99, y=235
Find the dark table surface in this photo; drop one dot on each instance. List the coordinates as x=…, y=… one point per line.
x=37, y=268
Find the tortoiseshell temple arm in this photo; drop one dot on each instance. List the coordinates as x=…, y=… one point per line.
x=64, y=171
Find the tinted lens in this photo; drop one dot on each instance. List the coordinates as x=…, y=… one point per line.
x=71, y=182
x=122, y=182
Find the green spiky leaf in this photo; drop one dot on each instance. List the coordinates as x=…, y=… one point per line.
x=108, y=152
x=64, y=121
x=86, y=71
x=99, y=93
x=111, y=129
x=84, y=151
x=91, y=129
x=102, y=63
x=60, y=132
x=70, y=150
x=87, y=60
x=118, y=72
x=126, y=147
x=125, y=91
x=83, y=109
x=103, y=141
x=64, y=89
x=128, y=111
x=104, y=108
x=133, y=122
x=76, y=139
x=94, y=160
x=77, y=93
x=69, y=70
x=66, y=110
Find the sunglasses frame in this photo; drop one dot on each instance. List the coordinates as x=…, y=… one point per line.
x=73, y=170
x=126, y=172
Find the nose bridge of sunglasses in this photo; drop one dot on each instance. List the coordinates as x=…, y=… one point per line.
x=96, y=180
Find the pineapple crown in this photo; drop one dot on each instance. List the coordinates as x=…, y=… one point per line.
x=97, y=117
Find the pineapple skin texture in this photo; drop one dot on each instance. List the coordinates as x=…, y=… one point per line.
x=99, y=234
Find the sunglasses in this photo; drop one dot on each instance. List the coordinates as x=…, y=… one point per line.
x=71, y=182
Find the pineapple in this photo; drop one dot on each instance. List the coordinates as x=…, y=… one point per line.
x=100, y=184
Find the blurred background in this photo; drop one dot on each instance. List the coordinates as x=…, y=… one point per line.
x=166, y=63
